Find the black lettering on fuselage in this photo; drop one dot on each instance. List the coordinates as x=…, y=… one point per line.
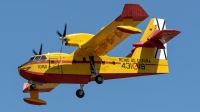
x=143, y=61
x=141, y=66
x=124, y=60
x=132, y=60
x=42, y=66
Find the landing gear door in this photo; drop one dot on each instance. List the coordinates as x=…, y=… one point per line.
x=53, y=63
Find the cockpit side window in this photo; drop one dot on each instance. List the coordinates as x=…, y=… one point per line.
x=37, y=58
x=43, y=57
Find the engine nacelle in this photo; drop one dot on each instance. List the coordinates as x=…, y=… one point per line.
x=77, y=39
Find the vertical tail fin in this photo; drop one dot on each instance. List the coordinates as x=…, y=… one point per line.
x=153, y=47
x=160, y=53
x=153, y=25
x=156, y=36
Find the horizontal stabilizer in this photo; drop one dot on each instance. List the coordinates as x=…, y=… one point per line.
x=158, y=38
x=163, y=35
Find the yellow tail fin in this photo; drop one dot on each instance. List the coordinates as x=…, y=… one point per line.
x=153, y=46
x=151, y=27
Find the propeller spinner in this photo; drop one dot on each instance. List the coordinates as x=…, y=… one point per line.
x=62, y=37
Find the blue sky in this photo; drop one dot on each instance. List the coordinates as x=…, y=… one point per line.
x=24, y=25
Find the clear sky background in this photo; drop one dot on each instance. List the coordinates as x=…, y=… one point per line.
x=25, y=24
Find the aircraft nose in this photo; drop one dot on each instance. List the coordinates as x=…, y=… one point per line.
x=23, y=72
x=19, y=68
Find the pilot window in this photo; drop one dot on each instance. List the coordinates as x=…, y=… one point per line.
x=37, y=58
x=103, y=62
x=43, y=57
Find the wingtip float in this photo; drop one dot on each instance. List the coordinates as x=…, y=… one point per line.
x=89, y=62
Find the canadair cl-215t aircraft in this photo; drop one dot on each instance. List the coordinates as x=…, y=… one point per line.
x=89, y=62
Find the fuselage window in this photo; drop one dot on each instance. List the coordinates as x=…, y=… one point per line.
x=113, y=62
x=74, y=61
x=84, y=59
x=52, y=61
x=103, y=62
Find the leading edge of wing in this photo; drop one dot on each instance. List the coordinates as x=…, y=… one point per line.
x=115, y=32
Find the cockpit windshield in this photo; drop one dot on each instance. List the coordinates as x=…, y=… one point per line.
x=36, y=58
x=31, y=58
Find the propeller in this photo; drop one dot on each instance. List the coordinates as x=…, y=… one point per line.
x=62, y=36
x=40, y=51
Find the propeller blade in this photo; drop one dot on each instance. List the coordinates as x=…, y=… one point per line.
x=64, y=33
x=35, y=52
x=62, y=37
x=40, y=52
x=59, y=33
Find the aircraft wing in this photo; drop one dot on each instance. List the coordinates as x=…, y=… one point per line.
x=115, y=32
x=46, y=87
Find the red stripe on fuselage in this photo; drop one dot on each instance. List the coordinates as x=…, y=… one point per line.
x=68, y=62
x=75, y=78
x=55, y=78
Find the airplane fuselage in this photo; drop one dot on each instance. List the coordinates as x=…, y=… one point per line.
x=68, y=68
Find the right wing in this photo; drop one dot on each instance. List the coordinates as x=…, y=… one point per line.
x=114, y=33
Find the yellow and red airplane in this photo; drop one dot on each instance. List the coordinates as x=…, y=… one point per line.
x=89, y=62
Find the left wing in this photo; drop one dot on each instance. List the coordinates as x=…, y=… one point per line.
x=34, y=94
x=114, y=33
